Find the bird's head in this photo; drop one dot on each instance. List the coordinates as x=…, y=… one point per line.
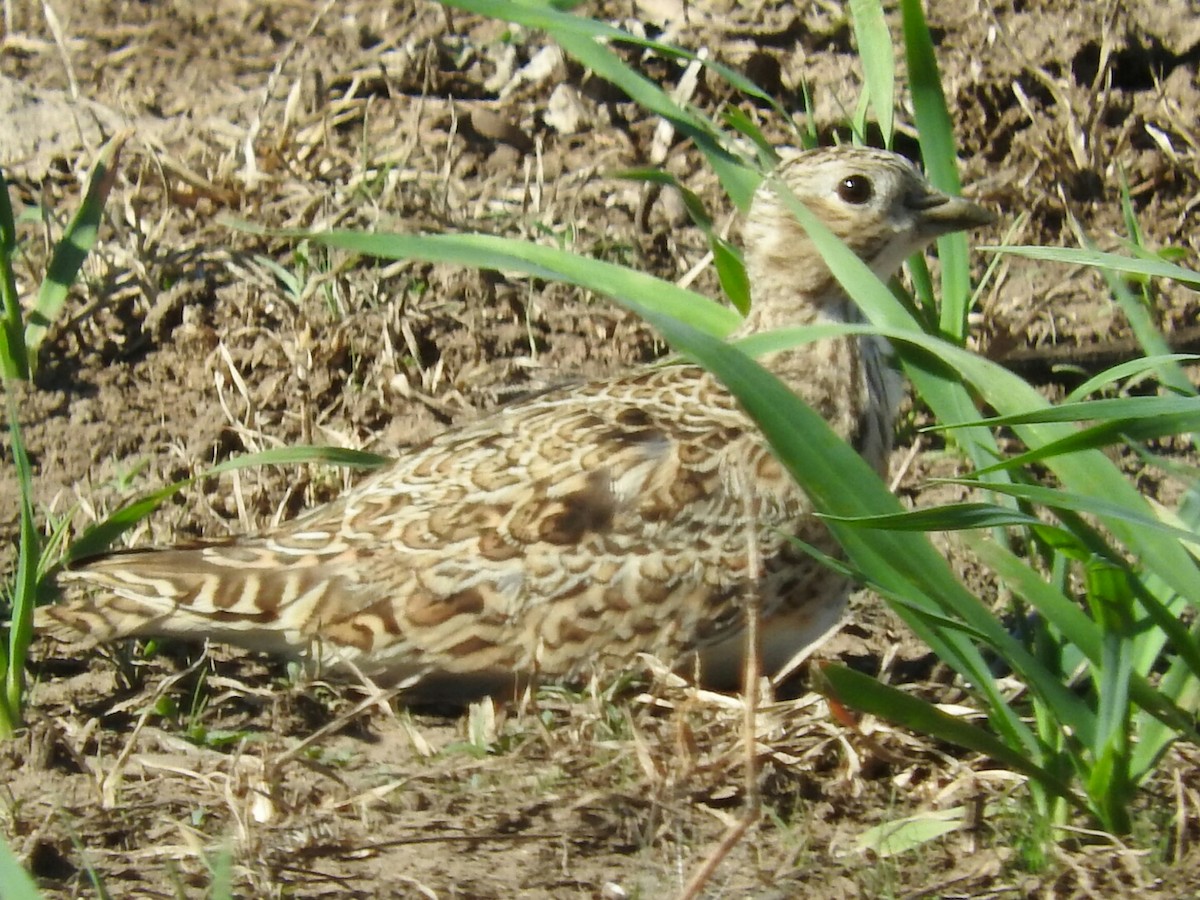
x=874, y=200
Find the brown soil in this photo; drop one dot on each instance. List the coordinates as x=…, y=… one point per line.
x=182, y=346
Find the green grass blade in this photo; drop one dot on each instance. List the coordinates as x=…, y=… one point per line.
x=1108, y=783
x=949, y=517
x=1122, y=420
x=864, y=693
x=1097, y=259
x=556, y=22
x=935, y=131
x=221, y=872
x=581, y=38
x=99, y=538
x=18, y=885
x=942, y=383
x=838, y=481
x=488, y=252
x=14, y=359
x=1180, y=685
x=1170, y=627
x=878, y=58
x=927, y=306
x=1111, y=601
x=1112, y=512
x=1155, y=735
x=727, y=259
x=77, y=241
x=739, y=181
x=1103, y=435
x=24, y=591
x=1151, y=340
x=1086, y=635
x=731, y=271
x=1079, y=630
x=1089, y=471
x=1051, y=604
x=745, y=126
x=897, y=837
x=1131, y=369
x=1137, y=309
x=1123, y=408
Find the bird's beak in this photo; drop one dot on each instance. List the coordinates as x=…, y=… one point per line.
x=940, y=213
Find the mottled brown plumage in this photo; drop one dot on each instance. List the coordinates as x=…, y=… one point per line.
x=581, y=526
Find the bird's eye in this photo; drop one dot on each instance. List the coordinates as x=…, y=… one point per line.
x=856, y=189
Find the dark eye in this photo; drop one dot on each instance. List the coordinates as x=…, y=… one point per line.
x=856, y=189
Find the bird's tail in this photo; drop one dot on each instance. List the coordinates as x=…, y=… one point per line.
x=241, y=594
x=309, y=606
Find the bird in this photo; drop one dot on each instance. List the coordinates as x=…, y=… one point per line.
x=577, y=528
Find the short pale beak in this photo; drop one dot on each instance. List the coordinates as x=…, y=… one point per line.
x=942, y=214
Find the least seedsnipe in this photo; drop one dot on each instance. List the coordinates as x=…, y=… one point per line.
x=581, y=526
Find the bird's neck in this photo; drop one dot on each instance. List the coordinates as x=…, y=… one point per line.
x=778, y=304
x=847, y=379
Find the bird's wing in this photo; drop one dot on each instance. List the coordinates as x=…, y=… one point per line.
x=588, y=519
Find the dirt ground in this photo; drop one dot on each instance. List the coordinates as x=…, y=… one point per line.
x=190, y=341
